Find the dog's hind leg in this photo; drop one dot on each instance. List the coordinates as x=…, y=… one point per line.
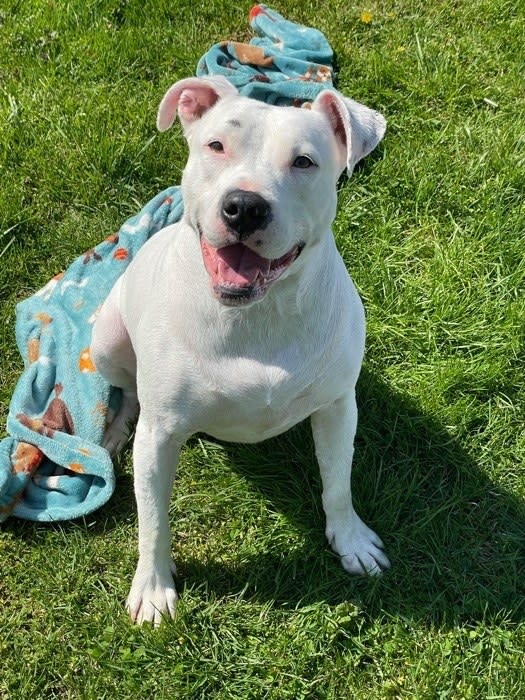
x=114, y=358
x=119, y=428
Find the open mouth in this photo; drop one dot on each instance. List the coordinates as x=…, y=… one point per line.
x=238, y=275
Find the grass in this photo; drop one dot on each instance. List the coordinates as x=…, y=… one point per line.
x=432, y=228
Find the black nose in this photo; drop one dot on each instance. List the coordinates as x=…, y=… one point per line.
x=245, y=212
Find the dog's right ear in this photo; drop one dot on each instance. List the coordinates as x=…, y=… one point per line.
x=190, y=98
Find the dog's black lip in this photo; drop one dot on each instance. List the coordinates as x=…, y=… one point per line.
x=235, y=292
x=233, y=296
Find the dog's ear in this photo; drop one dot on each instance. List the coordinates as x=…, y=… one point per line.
x=358, y=129
x=190, y=98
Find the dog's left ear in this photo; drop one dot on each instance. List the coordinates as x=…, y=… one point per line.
x=358, y=129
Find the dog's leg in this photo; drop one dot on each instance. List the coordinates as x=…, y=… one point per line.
x=155, y=456
x=334, y=427
x=114, y=358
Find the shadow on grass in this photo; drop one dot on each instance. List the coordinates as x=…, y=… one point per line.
x=455, y=540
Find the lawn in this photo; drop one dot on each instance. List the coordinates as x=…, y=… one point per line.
x=432, y=227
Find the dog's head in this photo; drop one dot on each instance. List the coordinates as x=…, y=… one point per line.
x=259, y=186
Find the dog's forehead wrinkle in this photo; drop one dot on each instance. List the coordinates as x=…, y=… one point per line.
x=232, y=118
x=276, y=130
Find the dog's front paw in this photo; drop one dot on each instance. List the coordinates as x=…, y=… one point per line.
x=360, y=549
x=152, y=596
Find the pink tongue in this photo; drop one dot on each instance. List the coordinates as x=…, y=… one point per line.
x=234, y=264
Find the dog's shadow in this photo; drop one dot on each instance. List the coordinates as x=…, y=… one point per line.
x=455, y=539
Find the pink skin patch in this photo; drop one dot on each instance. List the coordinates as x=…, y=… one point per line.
x=238, y=274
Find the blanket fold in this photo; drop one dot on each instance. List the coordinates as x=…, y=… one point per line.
x=52, y=466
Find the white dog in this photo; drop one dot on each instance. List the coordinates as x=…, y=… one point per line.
x=241, y=320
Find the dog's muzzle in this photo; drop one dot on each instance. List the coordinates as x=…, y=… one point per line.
x=238, y=275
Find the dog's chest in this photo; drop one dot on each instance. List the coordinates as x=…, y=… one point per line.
x=249, y=401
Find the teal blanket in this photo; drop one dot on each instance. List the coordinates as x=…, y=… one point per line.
x=52, y=465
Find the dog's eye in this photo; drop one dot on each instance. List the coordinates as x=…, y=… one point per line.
x=303, y=162
x=216, y=146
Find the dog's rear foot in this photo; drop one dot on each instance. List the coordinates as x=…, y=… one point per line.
x=118, y=431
